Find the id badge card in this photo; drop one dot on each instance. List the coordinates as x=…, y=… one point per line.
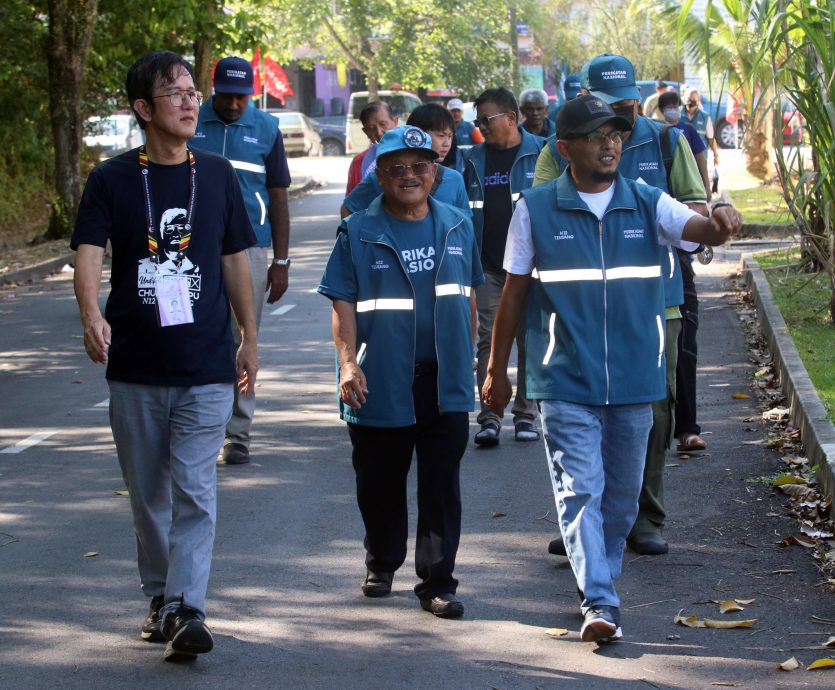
x=173, y=301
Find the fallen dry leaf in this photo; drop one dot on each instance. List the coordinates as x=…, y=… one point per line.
x=727, y=625
x=798, y=539
x=724, y=683
x=556, y=632
x=729, y=606
x=818, y=664
x=830, y=642
x=496, y=514
x=789, y=665
x=90, y=554
x=121, y=492
x=740, y=396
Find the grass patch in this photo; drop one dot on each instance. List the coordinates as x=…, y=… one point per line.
x=804, y=302
x=763, y=205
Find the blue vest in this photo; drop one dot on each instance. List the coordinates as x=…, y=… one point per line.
x=641, y=158
x=595, y=316
x=699, y=121
x=521, y=175
x=464, y=133
x=245, y=143
x=386, y=316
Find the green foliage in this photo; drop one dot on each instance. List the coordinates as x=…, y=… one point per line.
x=803, y=300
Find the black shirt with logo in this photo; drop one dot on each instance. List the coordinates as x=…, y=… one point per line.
x=498, y=207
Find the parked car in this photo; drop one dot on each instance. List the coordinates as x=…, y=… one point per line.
x=113, y=134
x=793, y=125
x=402, y=103
x=298, y=132
x=332, y=136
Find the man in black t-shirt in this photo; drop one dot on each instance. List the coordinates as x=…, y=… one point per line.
x=178, y=228
x=495, y=173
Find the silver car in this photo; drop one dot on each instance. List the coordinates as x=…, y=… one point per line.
x=299, y=133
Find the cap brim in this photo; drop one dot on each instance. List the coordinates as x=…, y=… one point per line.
x=239, y=90
x=429, y=153
x=623, y=93
x=618, y=122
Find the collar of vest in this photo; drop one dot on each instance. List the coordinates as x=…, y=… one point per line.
x=375, y=227
x=642, y=133
x=568, y=199
x=209, y=114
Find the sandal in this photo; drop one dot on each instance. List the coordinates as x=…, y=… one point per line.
x=688, y=442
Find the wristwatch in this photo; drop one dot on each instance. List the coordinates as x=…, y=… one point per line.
x=282, y=262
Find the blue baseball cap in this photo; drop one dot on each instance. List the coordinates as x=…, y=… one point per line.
x=611, y=78
x=405, y=138
x=234, y=75
x=572, y=86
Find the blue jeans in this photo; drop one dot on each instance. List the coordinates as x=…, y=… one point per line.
x=596, y=462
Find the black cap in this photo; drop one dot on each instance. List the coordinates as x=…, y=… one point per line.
x=585, y=114
x=659, y=84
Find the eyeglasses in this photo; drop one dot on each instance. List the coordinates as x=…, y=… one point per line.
x=418, y=169
x=597, y=138
x=178, y=98
x=485, y=121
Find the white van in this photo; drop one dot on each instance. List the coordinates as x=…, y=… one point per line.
x=402, y=103
x=113, y=134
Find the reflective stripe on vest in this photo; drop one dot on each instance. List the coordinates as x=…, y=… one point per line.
x=452, y=289
x=476, y=204
x=576, y=274
x=251, y=167
x=375, y=304
x=515, y=197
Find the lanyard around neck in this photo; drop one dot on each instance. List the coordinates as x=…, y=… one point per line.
x=153, y=234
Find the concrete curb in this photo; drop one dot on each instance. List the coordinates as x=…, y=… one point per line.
x=32, y=273
x=807, y=411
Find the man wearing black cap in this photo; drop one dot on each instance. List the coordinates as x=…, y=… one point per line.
x=250, y=139
x=585, y=253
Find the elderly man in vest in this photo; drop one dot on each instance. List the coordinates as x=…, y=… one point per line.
x=586, y=253
x=401, y=279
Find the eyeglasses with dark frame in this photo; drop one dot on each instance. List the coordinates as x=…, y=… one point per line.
x=485, y=120
x=398, y=170
x=178, y=98
x=597, y=138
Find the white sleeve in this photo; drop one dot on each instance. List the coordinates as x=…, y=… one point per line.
x=672, y=216
x=519, y=251
x=709, y=128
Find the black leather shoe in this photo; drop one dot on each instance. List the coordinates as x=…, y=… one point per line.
x=151, y=625
x=648, y=543
x=234, y=454
x=186, y=635
x=557, y=547
x=377, y=584
x=443, y=606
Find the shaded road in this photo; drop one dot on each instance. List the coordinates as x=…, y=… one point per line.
x=284, y=600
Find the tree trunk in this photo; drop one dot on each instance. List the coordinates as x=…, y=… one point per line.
x=204, y=54
x=759, y=139
x=373, y=88
x=70, y=31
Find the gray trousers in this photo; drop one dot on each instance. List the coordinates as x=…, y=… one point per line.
x=243, y=409
x=167, y=440
x=487, y=296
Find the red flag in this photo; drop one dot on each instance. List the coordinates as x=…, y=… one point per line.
x=256, y=71
x=276, y=80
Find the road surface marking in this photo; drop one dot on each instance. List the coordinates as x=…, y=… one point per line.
x=103, y=403
x=282, y=310
x=33, y=440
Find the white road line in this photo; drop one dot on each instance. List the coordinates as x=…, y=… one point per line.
x=103, y=403
x=282, y=310
x=33, y=440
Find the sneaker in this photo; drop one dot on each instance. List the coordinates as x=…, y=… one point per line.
x=151, y=625
x=186, y=635
x=443, y=606
x=557, y=547
x=526, y=431
x=599, y=625
x=234, y=454
x=488, y=436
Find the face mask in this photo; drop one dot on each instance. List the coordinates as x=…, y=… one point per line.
x=692, y=104
x=672, y=115
x=627, y=112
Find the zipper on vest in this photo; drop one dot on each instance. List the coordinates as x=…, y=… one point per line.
x=225, y=130
x=605, y=310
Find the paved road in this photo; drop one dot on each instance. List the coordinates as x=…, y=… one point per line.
x=285, y=603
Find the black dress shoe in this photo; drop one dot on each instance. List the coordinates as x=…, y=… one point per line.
x=557, y=547
x=648, y=543
x=377, y=584
x=443, y=606
x=234, y=454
